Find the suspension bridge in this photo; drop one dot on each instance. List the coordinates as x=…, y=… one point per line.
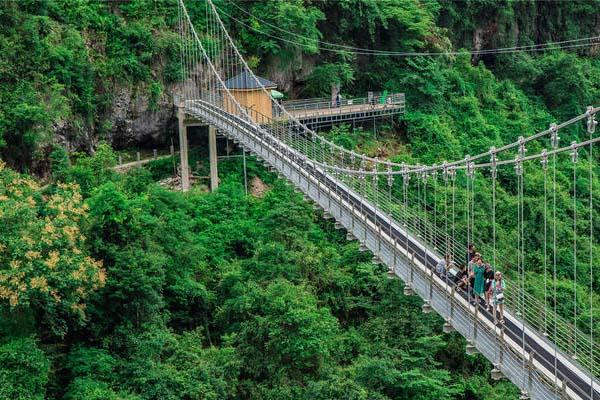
x=406, y=214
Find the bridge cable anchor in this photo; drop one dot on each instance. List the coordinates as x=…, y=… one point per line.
x=391, y=273
x=496, y=374
x=447, y=327
x=426, y=307
x=471, y=349
x=494, y=162
x=518, y=166
x=554, y=138
x=524, y=395
x=591, y=121
x=574, y=152
x=544, y=160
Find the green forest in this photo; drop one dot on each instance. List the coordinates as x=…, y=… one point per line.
x=114, y=287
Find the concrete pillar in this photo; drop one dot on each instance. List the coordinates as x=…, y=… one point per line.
x=183, y=150
x=212, y=155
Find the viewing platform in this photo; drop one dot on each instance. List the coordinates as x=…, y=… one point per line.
x=323, y=111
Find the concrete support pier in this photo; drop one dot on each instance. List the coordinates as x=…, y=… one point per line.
x=183, y=150
x=212, y=155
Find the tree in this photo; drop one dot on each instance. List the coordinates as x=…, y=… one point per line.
x=284, y=332
x=43, y=260
x=23, y=370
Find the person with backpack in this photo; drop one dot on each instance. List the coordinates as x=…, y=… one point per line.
x=443, y=265
x=489, y=277
x=498, y=287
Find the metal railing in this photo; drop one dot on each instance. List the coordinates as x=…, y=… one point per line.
x=327, y=106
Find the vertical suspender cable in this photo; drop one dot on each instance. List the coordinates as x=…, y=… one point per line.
x=494, y=176
x=446, y=236
x=425, y=183
x=468, y=173
x=574, y=157
x=591, y=127
x=467, y=209
x=180, y=23
x=520, y=266
x=453, y=178
x=434, y=235
x=472, y=204
x=406, y=182
x=544, y=162
x=418, y=178
x=554, y=139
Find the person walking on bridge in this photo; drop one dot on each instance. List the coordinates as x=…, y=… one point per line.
x=489, y=278
x=479, y=281
x=498, y=287
x=470, y=253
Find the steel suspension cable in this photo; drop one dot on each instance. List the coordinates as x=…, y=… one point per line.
x=591, y=127
x=434, y=175
x=554, y=141
x=494, y=173
x=520, y=254
x=447, y=244
x=544, y=162
x=574, y=156
x=453, y=178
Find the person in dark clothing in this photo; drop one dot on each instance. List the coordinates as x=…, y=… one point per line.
x=475, y=260
x=461, y=278
x=489, y=277
x=470, y=253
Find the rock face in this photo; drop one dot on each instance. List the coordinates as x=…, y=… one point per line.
x=130, y=121
x=133, y=122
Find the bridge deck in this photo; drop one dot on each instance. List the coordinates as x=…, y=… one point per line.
x=322, y=111
x=346, y=109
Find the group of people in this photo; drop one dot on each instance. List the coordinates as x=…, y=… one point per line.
x=478, y=279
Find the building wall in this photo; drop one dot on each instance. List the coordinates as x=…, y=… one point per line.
x=257, y=101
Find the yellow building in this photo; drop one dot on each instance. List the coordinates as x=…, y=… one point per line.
x=252, y=94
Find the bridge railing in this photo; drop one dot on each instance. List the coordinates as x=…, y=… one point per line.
x=518, y=302
x=327, y=104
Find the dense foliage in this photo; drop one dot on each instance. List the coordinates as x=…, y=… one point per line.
x=212, y=296
x=62, y=61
